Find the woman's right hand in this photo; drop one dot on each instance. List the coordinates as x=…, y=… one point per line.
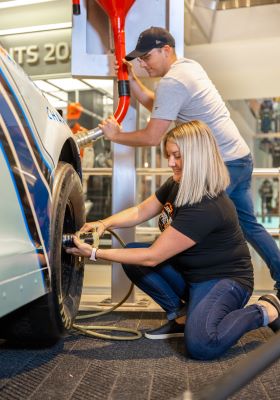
x=80, y=249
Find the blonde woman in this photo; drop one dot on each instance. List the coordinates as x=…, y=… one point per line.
x=200, y=266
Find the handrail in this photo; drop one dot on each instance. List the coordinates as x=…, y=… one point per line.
x=257, y=172
x=270, y=135
x=139, y=171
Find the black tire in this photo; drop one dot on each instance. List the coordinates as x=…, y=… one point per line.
x=43, y=321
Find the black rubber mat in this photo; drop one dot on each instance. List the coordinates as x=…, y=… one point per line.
x=83, y=368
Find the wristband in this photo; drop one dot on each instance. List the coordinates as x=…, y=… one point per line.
x=93, y=254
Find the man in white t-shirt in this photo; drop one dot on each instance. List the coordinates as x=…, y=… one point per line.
x=186, y=93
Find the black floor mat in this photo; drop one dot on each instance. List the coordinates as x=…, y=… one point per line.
x=83, y=368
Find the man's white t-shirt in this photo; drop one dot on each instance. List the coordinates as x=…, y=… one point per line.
x=186, y=93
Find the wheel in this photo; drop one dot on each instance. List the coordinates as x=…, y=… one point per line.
x=43, y=321
x=68, y=216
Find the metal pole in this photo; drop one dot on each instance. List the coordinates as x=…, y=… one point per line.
x=243, y=372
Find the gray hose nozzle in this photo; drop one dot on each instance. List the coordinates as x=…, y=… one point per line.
x=84, y=138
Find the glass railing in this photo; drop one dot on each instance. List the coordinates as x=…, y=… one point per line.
x=201, y=18
x=227, y=4
x=265, y=187
x=265, y=191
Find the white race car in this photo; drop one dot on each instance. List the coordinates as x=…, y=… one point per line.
x=41, y=198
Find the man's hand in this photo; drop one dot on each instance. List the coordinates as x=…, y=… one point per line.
x=81, y=249
x=144, y=95
x=110, y=128
x=130, y=69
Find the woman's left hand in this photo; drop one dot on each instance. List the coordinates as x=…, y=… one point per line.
x=81, y=249
x=97, y=226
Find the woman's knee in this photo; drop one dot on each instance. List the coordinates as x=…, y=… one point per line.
x=198, y=351
x=132, y=269
x=131, y=245
x=134, y=272
x=127, y=267
x=199, y=345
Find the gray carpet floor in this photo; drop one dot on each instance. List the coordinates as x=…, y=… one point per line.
x=83, y=368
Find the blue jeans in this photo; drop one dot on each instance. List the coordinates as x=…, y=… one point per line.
x=216, y=318
x=239, y=191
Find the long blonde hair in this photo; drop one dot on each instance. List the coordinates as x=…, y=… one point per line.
x=203, y=170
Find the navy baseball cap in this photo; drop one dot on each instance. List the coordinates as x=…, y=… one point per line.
x=151, y=38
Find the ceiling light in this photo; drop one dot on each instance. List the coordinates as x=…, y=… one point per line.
x=56, y=103
x=104, y=84
x=19, y=3
x=45, y=86
x=61, y=95
x=107, y=101
x=69, y=84
x=37, y=28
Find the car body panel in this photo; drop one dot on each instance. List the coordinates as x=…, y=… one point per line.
x=20, y=270
x=32, y=135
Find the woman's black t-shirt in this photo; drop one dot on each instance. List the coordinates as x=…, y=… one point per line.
x=220, y=250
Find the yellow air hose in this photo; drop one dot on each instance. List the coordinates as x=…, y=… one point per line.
x=89, y=329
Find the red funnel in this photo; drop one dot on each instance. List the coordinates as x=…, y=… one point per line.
x=117, y=11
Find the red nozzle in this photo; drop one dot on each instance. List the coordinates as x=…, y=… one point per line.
x=117, y=11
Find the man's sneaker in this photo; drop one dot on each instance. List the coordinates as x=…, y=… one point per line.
x=169, y=330
x=273, y=300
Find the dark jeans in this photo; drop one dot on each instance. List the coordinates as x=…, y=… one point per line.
x=239, y=191
x=216, y=318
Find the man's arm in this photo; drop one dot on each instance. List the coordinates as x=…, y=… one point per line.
x=149, y=136
x=144, y=95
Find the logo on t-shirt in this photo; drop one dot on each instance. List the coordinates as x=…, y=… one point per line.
x=166, y=216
